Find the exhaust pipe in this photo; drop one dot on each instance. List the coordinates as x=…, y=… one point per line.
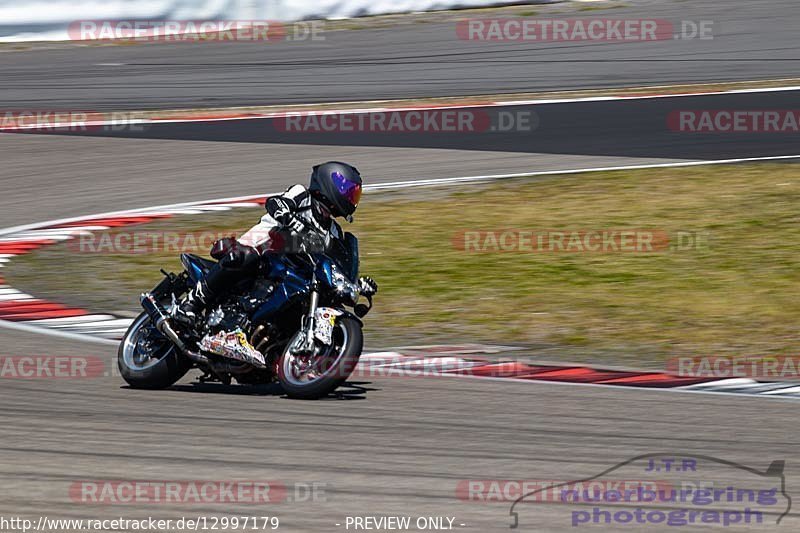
x=159, y=318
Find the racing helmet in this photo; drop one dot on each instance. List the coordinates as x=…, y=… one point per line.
x=337, y=186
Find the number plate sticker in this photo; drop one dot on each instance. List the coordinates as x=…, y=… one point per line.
x=324, y=319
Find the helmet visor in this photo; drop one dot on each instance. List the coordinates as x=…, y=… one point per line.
x=348, y=188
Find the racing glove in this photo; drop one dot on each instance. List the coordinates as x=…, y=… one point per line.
x=294, y=224
x=367, y=286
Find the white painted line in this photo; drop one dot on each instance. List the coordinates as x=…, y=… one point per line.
x=82, y=327
x=173, y=212
x=215, y=207
x=29, y=236
x=10, y=290
x=499, y=103
x=643, y=97
x=650, y=390
x=16, y=240
x=15, y=297
x=490, y=177
x=57, y=232
x=287, y=111
x=752, y=388
x=27, y=328
x=732, y=382
x=745, y=387
x=115, y=323
x=245, y=204
x=72, y=320
x=112, y=333
x=789, y=389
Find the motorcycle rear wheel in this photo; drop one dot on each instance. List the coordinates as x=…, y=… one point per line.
x=148, y=360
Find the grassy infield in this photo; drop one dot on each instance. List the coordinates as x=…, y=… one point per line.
x=734, y=296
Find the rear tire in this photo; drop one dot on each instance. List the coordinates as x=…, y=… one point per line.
x=335, y=375
x=166, y=366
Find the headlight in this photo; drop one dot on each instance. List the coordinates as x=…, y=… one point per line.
x=343, y=286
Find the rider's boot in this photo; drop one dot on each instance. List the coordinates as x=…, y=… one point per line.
x=196, y=300
x=216, y=282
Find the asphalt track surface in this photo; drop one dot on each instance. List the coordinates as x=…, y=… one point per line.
x=387, y=446
x=100, y=171
x=400, y=446
x=752, y=40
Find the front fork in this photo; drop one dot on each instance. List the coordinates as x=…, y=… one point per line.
x=305, y=342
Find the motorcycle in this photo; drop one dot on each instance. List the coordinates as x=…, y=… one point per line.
x=290, y=322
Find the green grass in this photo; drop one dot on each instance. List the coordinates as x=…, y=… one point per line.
x=590, y=7
x=735, y=296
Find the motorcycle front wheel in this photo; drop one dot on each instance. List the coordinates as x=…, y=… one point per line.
x=314, y=376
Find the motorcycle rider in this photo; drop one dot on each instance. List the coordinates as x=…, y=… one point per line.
x=334, y=191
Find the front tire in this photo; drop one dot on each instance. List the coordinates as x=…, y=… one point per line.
x=148, y=360
x=348, y=342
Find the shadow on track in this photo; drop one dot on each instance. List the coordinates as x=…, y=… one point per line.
x=350, y=390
